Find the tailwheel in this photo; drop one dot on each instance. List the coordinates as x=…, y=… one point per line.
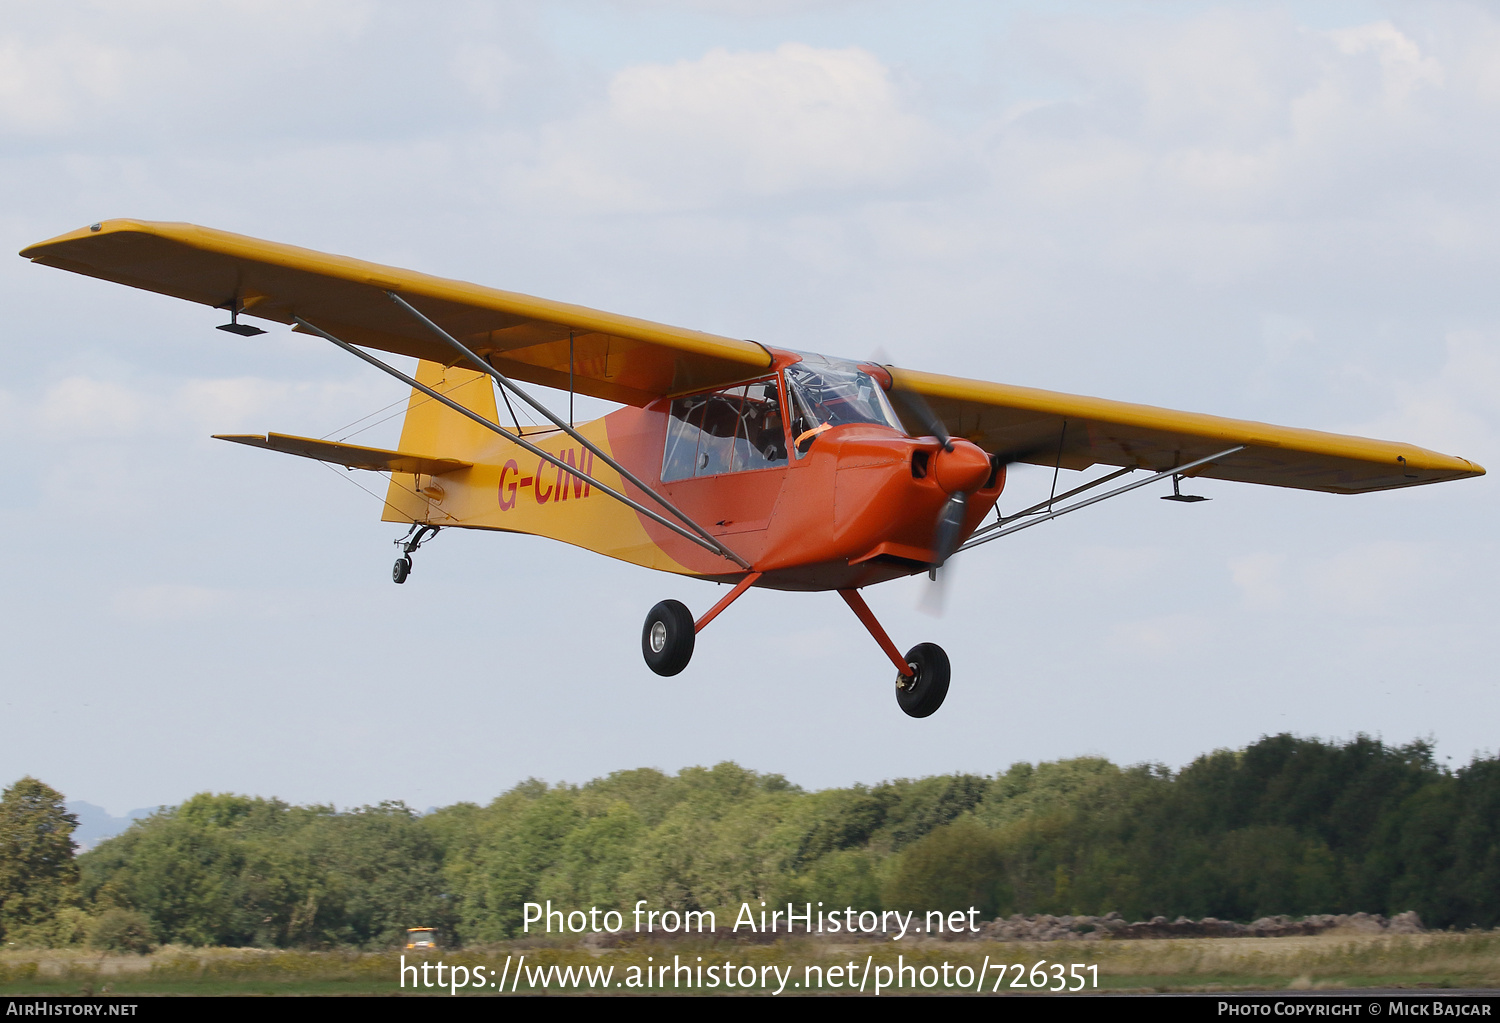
x=923, y=693
x=667, y=639
x=415, y=537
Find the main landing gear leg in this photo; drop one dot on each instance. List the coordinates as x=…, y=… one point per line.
x=670, y=632
x=415, y=537
x=921, y=676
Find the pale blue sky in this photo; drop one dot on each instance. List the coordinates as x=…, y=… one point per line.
x=1278, y=213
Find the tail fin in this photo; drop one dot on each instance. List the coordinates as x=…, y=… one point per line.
x=435, y=430
x=432, y=428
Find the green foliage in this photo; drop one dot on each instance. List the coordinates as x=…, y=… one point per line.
x=122, y=930
x=1024, y=792
x=69, y=927
x=1287, y=825
x=37, y=874
x=229, y=870
x=845, y=877
x=955, y=867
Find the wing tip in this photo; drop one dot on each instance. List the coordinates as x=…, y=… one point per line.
x=254, y=440
x=100, y=227
x=115, y=225
x=1454, y=467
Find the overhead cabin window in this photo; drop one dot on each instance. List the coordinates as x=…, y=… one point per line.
x=733, y=430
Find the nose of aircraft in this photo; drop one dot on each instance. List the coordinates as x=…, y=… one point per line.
x=962, y=470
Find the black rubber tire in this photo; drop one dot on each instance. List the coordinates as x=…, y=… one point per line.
x=400, y=570
x=676, y=638
x=923, y=695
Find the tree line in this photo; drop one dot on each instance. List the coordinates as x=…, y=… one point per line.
x=1288, y=825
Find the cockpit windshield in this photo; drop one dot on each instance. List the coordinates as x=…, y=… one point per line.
x=829, y=395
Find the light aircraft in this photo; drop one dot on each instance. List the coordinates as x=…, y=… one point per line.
x=730, y=460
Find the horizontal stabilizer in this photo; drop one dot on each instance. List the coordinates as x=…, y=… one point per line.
x=351, y=456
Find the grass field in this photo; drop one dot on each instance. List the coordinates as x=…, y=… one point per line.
x=1330, y=961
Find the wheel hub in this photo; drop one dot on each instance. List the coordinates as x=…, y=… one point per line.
x=658, y=637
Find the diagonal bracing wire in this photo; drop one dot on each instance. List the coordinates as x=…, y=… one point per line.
x=709, y=544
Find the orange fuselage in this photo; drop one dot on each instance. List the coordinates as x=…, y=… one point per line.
x=860, y=506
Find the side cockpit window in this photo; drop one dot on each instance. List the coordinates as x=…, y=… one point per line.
x=733, y=430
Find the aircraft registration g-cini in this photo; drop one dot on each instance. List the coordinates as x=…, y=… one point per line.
x=730, y=460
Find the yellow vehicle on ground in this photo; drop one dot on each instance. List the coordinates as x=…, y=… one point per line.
x=420, y=939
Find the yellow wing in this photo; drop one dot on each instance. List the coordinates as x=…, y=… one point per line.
x=1024, y=424
x=618, y=358
x=633, y=361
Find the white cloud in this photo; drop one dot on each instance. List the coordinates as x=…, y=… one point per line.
x=488, y=72
x=1361, y=580
x=734, y=126
x=1455, y=410
x=45, y=88
x=1163, y=637
x=1261, y=579
x=1239, y=114
x=1403, y=66
x=1369, y=578
x=81, y=406
x=86, y=407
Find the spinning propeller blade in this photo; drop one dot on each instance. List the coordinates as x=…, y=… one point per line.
x=945, y=540
x=948, y=533
x=934, y=599
x=916, y=405
x=950, y=524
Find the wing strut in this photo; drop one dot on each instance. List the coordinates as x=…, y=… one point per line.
x=991, y=533
x=567, y=428
x=1046, y=505
x=716, y=548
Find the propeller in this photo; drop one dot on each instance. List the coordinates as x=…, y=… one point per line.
x=948, y=532
x=916, y=406
x=913, y=404
x=950, y=525
x=958, y=472
x=934, y=599
x=946, y=538
x=945, y=541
